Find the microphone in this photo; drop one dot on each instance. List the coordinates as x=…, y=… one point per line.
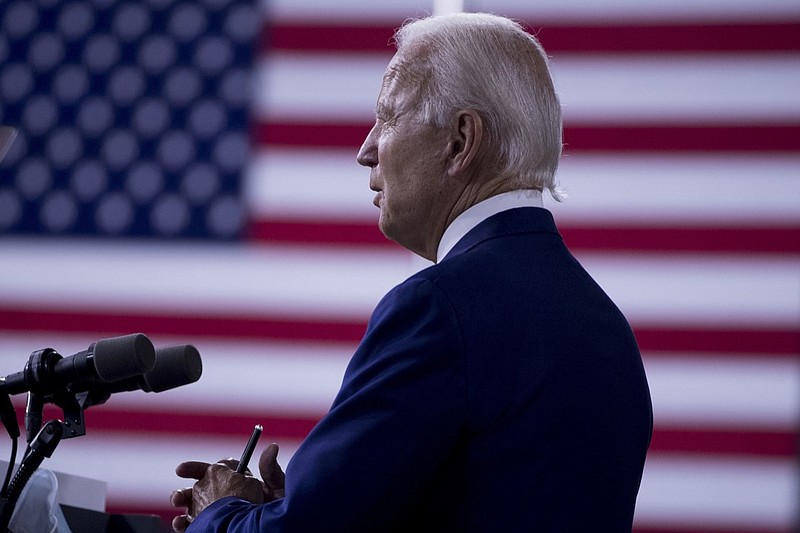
x=107, y=360
x=175, y=366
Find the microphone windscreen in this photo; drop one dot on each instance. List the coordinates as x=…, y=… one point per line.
x=122, y=357
x=175, y=366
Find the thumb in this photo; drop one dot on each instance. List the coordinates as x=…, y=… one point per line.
x=271, y=471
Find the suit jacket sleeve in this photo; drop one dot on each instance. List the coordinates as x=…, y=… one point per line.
x=400, y=411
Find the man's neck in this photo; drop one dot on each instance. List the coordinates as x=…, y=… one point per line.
x=479, y=212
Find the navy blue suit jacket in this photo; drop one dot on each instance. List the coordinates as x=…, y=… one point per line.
x=500, y=390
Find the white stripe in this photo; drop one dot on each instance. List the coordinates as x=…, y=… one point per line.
x=681, y=290
x=352, y=11
x=140, y=468
x=306, y=184
x=445, y=7
x=284, y=378
x=618, y=11
x=680, y=190
x=331, y=283
x=752, y=88
x=615, y=11
x=706, y=492
x=198, y=279
x=724, y=392
x=688, y=390
x=318, y=87
x=677, y=490
x=678, y=89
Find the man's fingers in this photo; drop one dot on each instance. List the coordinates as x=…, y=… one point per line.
x=271, y=471
x=191, y=469
x=180, y=523
x=230, y=462
x=181, y=497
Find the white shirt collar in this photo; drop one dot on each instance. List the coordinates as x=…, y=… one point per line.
x=483, y=210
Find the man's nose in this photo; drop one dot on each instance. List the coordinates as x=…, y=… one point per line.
x=368, y=153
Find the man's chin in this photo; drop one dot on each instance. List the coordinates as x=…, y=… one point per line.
x=389, y=229
x=385, y=227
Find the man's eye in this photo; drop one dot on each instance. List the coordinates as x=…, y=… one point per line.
x=384, y=124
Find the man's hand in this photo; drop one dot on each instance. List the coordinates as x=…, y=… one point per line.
x=272, y=474
x=218, y=480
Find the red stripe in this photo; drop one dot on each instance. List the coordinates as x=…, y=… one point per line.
x=721, y=341
x=764, y=138
x=744, y=239
x=692, y=528
x=778, y=239
x=743, y=442
x=671, y=38
x=558, y=38
x=608, y=137
x=167, y=514
x=328, y=38
x=189, y=423
x=721, y=442
x=184, y=324
x=319, y=232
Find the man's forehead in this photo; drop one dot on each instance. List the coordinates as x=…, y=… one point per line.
x=392, y=72
x=402, y=79
x=389, y=84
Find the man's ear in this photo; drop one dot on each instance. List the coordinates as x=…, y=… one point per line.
x=466, y=137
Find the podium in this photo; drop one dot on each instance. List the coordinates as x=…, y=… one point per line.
x=88, y=521
x=82, y=502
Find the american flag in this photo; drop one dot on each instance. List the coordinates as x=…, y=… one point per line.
x=133, y=202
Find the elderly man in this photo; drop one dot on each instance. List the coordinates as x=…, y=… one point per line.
x=497, y=390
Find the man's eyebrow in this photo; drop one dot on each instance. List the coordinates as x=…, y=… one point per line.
x=391, y=73
x=381, y=109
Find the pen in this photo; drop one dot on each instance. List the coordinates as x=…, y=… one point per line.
x=248, y=450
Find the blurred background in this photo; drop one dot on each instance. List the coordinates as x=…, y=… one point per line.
x=186, y=169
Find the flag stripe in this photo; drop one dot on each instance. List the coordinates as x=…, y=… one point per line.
x=692, y=528
x=550, y=11
x=785, y=342
x=649, y=190
x=683, y=490
x=722, y=340
x=167, y=514
x=615, y=38
x=619, y=137
x=776, y=240
x=665, y=440
x=698, y=391
x=598, y=90
x=707, y=239
x=758, y=484
x=668, y=290
x=762, y=506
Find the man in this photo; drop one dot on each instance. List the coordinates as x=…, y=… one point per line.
x=497, y=390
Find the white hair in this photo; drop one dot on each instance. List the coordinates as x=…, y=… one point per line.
x=491, y=65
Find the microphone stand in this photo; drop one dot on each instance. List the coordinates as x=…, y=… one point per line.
x=178, y=365
x=42, y=439
x=9, y=419
x=42, y=446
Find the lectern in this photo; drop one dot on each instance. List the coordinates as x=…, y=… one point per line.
x=82, y=503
